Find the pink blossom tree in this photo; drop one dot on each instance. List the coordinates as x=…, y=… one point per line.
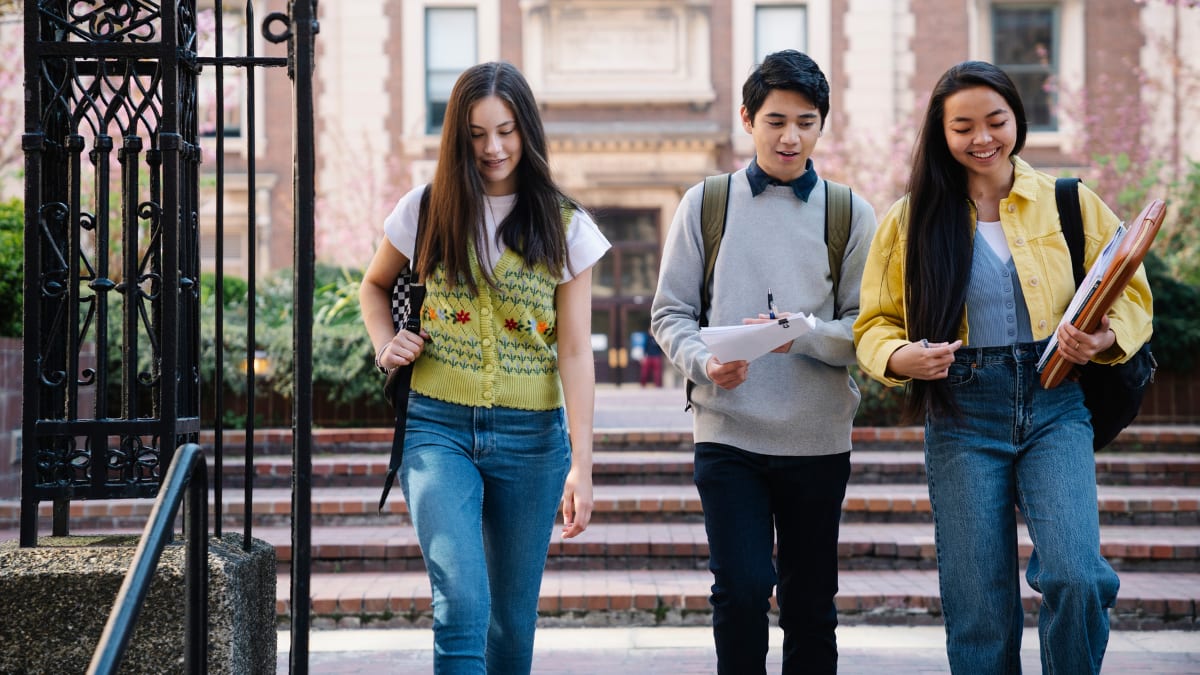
x=12, y=71
x=351, y=209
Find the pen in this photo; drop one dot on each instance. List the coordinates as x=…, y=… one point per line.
x=770, y=304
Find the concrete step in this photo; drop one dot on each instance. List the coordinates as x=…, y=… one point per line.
x=884, y=503
x=657, y=435
x=684, y=546
x=1161, y=600
x=663, y=467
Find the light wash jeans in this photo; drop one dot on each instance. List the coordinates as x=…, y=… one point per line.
x=483, y=486
x=1017, y=444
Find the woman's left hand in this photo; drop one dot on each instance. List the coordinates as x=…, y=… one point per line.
x=1079, y=347
x=577, y=502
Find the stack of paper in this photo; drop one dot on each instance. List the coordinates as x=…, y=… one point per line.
x=750, y=341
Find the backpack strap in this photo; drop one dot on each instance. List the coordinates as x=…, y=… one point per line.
x=714, y=206
x=713, y=210
x=838, y=214
x=1066, y=197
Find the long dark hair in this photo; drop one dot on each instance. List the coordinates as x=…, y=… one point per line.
x=937, y=262
x=534, y=229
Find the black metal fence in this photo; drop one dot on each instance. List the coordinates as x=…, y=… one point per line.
x=113, y=153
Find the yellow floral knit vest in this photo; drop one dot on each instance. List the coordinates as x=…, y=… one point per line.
x=497, y=348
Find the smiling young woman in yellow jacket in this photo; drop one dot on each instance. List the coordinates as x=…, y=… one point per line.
x=1040, y=255
x=968, y=277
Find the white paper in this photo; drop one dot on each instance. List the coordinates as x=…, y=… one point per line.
x=1086, y=288
x=747, y=342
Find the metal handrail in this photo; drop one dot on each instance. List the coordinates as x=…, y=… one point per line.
x=187, y=470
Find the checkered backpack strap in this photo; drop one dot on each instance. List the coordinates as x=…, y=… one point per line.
x=401, y=292
x=400, y=296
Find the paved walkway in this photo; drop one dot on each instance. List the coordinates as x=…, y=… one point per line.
x=680, y=651
x=633, y=407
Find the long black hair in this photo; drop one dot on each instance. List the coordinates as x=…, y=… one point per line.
x=937, y=262
x=534, y=229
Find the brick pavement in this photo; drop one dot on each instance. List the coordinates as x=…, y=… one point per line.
x=864, y=650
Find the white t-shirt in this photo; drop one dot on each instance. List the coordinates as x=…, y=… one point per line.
x=585, y=243
x=993, y=234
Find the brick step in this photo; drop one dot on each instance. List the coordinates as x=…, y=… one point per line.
x=675, y=468
x=685, y=546
x=1118, y=505
x=1161, y=600
x=377, y=440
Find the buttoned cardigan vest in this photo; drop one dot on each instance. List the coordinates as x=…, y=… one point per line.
x=496, y=348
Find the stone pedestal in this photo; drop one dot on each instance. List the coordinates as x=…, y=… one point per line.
x=56, y=598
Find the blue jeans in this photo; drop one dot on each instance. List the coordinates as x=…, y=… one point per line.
x=753, y=503
x=1017, y=446
x=483, y=486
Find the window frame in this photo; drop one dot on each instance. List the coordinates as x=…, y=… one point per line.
x=1071, y=58
x=430, y=71
x=417, y=141
x=818, y=39
x=1055, y=58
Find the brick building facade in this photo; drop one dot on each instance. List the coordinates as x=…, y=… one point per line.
x=640, y=100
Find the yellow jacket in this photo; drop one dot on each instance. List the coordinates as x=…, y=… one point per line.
x=1029, y=217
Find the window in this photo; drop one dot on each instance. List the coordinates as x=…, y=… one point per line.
x=449, y=50
x=1025, y=43
x=766, y=26
x=778, y=27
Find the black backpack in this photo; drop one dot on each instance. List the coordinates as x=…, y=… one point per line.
x=1113, y=393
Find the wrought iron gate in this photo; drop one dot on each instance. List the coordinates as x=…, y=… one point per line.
x=113, y=153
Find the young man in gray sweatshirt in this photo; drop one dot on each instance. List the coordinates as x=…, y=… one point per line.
x=773, y=435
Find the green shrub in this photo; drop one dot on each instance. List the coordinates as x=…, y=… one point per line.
x=880, y=405
x=343, y=360
x=1181, y=245
x=12, y=267
x=1176, y=318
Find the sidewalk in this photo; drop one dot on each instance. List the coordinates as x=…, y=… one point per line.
x=865, y=650
x=630, y=406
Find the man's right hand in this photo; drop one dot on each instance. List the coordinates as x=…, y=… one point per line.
x=726, y=375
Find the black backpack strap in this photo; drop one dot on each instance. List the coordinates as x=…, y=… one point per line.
x=1066, y=197
x=398, y=385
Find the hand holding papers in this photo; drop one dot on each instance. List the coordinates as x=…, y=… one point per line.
x=750, y=341
x=1104, y=283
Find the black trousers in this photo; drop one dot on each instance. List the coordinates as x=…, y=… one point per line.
x=772, y=522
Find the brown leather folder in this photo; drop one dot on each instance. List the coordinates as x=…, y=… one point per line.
x=1102, y=294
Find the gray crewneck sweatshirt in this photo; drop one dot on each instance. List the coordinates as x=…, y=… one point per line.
x=799, y=403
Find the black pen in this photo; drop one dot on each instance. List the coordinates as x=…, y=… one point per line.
x=770, y=304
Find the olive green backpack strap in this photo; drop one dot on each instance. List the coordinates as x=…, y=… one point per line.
x=713, y=206
x=838, y=214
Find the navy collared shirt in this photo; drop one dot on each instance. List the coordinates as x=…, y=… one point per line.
x=802, y=186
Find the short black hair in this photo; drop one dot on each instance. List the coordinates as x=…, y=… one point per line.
x=790, y=70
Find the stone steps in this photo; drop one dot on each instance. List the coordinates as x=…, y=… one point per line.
x=674, y=467
x=1159, y=600
x=644, y=559
x=881, y=503
x=861, y=546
